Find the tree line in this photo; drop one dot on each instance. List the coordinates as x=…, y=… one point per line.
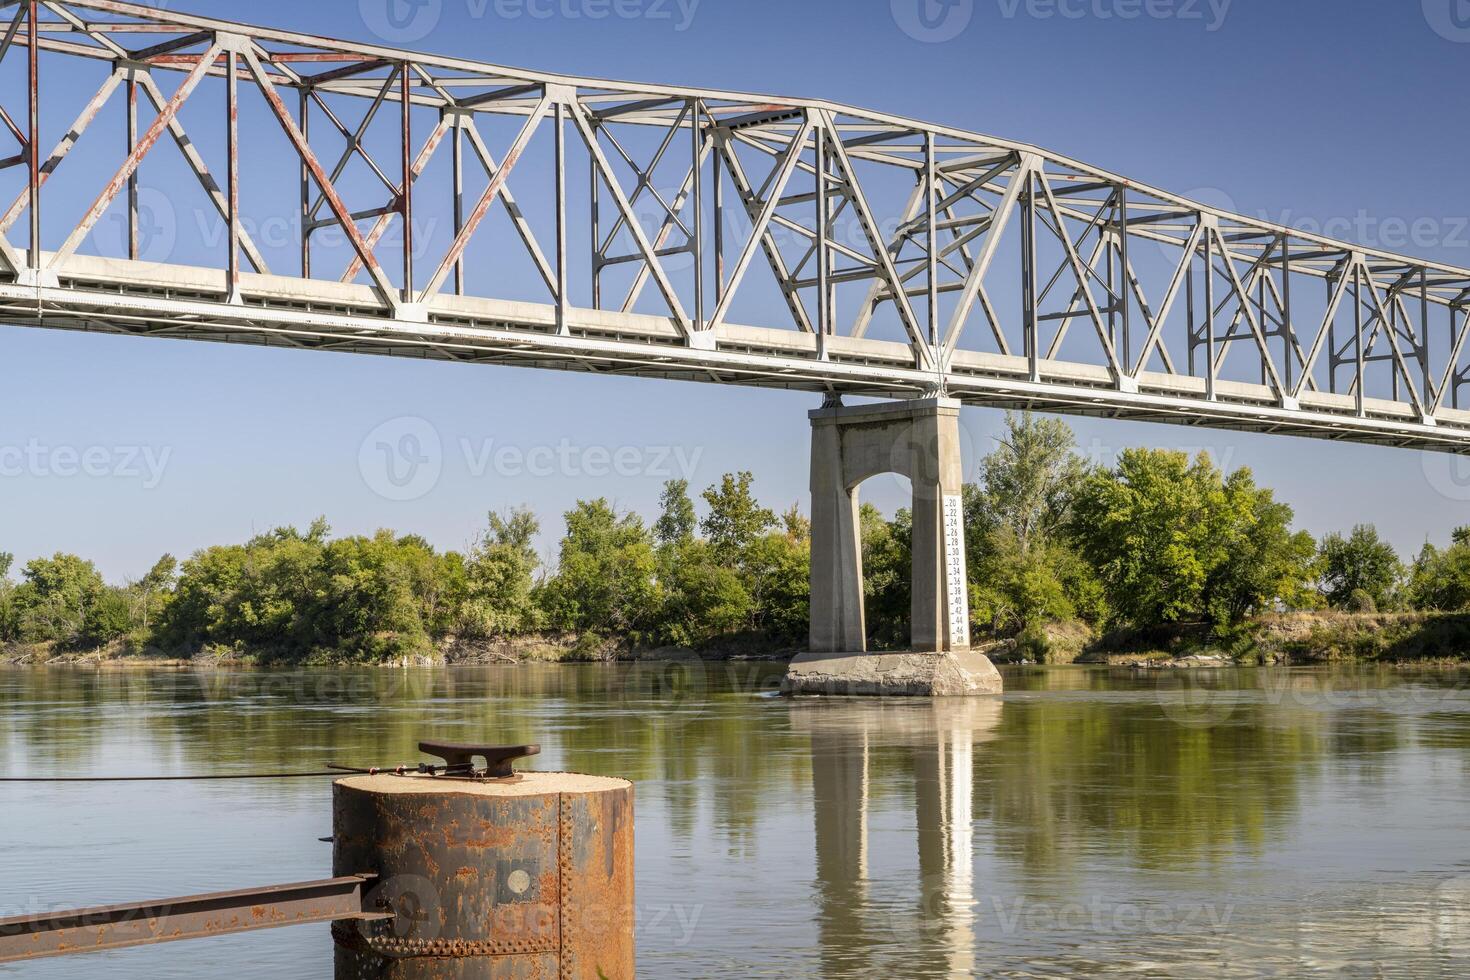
x=1155, y=540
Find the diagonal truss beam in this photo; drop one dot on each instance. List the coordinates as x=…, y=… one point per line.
x=754, y=206
x=780, y=178
x=130, y=166
x=495, y=189
x=206, y=180
x=645, y=247
x=1026, y=166
x=666, y=228
x=1170, y=295
x=1083, y=274
x=522, y=226
x=1453, y=362
x=1323, y=332
x=64, y=145
x=886, y=270
x=380, y=224
x=314, y=167
x=1393, y=341
x=1228, y=258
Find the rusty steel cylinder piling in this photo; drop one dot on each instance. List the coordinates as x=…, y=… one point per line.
x=522, y=876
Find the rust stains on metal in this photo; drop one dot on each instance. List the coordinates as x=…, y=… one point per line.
x=492, y=878
x=109, y=927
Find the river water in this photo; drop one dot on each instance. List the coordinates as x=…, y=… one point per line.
x=1225, y=823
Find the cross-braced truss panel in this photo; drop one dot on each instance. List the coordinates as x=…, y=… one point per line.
x=164, y=174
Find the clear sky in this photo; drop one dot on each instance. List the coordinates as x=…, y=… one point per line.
x=1343, y=115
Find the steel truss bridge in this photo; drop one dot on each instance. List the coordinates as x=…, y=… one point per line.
x=677, y=233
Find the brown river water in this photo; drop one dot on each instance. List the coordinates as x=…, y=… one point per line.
x=1092, y=821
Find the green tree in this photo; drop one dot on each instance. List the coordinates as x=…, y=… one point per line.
x=703, y=598
x=887, y=576
x=605, y=581
x=1262, y=563
x=8, y=624
x=1019, y=588
x=1022, y=565
x=1360, y=565
x=374, y=599
x=778, y=580
x=1440, y=580
x=151, y=592
x=54, y=601
x=251, y=598
x=1029, y=481
x=676, y=521
x=1151, y=527
x=735, y=519
x=108, y=618
x=797, y=525
x=500, y=576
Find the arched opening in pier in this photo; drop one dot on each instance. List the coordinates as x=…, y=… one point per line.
x=884, y=505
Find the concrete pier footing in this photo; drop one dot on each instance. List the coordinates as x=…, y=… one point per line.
x=936, y=675
x=918, y=439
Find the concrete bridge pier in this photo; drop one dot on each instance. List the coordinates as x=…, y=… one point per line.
x=919, y=439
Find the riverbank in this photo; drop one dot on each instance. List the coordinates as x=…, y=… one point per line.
x=1299, y=639
x=547, y=648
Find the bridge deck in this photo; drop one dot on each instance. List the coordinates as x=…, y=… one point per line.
x=190, y=303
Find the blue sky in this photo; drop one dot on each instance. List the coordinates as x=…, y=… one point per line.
x=1335, y=114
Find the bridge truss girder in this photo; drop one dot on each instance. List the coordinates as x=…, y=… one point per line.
x=883, y=256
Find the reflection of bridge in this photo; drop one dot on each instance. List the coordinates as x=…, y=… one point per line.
x=880, y=256
x=936, y=936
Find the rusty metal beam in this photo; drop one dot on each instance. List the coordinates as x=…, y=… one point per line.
x=324, y=183
x=145, y=143
x=168, y=47
x=108, y=927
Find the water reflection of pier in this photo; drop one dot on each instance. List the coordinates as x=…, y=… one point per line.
x=931, y=926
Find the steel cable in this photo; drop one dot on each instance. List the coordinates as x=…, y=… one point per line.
x=419, y=769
